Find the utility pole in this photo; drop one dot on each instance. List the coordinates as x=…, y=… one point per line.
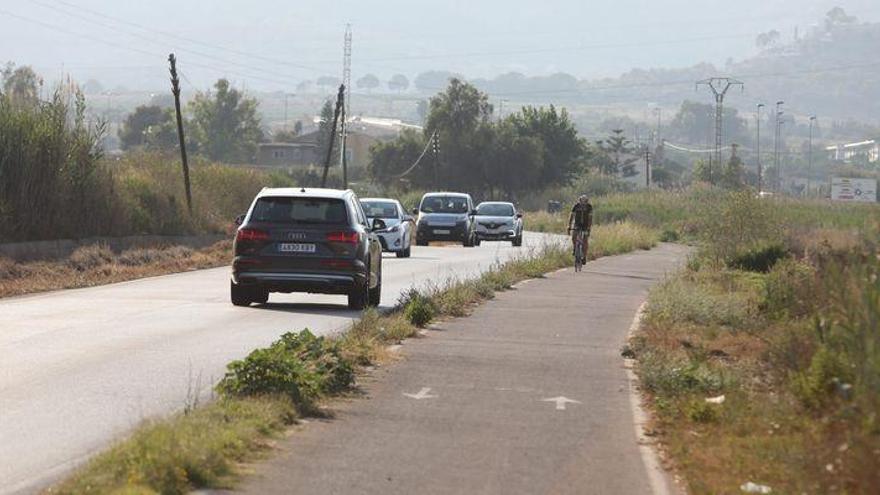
x=776, y=175
x=346, y=100
x=719, y=87
x=658, y=111
x=647, y=167
x=810, y=166
x=175, y=90
x=758, y=147
x=435, y=148
x=340, y=102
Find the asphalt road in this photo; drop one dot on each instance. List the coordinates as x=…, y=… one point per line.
x=529, y=395
x=79, y=368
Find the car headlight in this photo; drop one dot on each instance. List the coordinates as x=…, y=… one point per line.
x=394, y=228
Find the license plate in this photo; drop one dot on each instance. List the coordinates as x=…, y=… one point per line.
x=296, y=247
x=442, y=231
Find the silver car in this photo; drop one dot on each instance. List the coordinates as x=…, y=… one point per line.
x=498, y=221
x=397, y=235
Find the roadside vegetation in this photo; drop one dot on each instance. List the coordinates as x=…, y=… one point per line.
x=761, y=359
x=99, y=265
x=267, y=391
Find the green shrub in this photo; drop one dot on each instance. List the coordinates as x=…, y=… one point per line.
x=817, y=386
x=668, y=236
x=420, y=310
x=700, y=411
x=790, y=289
x=299, y=365
x=759, y=258
x=680, y=377
x=688, y=299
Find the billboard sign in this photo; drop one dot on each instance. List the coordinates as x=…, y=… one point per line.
x=849, y=189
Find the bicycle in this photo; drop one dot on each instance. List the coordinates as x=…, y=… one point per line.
x=579, y=254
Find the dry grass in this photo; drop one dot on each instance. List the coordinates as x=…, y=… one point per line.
x=753, y=338
x=97, y=265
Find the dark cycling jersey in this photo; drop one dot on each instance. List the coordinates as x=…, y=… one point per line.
x=582, y=216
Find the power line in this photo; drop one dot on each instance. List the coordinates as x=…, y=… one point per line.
x=187, y=39
x=136, y=50
x=415, y=164
x=155, y=41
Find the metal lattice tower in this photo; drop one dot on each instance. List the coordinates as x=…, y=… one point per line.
x=719, y=87
x=346, y=109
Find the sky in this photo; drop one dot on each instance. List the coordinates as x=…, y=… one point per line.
x=274, y=44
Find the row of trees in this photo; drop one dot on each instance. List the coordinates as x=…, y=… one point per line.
x=526, y=151
x=223, y=125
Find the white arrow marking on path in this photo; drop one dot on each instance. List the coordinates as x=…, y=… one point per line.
x=561, y=402
x=423, y=394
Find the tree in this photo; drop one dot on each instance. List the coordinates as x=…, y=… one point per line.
x=694, y=123
x=562, y=148
x=620, y=153
x=325, y=129
x=456, y=114
x=702, y=172
x=21, y=85
x=733, y=174
x=838, y=17
x=435, y=80
x=93, y=87
x=390, y=159
x=516, y=161
x=458, y=109
x=368, y=82
x=148, y=125
x=284, y=136
x=767, y=40
x=398, y=83
x=225, y=124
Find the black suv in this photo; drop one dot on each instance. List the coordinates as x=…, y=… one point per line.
x=306, y=240
x=445, y=216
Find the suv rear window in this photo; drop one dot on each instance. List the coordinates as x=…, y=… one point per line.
x=300, y=210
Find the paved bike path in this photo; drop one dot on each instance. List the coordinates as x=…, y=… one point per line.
x=528, y=395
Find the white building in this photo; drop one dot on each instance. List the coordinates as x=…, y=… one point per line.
x=862, y=151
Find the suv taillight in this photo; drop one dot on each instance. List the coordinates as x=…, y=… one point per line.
x=345, y=237
x=251, y=235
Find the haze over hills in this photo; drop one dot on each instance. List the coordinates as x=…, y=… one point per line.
x=273, y=44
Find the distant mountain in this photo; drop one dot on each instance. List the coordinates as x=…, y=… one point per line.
x=833, y=70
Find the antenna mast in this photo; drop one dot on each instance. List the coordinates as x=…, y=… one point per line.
x=346, y=107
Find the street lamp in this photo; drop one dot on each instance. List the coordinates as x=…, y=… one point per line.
x=758, y=147
x=776, y=137
x=810, y=154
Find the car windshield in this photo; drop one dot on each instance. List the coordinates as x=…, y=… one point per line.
x=380, y=209
x=495, y=210
x=300, y=210
x=444, y=204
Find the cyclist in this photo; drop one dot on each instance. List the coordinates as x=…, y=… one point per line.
x=581, y=221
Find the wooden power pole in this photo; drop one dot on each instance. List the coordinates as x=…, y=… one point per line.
x=340, y=101
x=175, y=89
